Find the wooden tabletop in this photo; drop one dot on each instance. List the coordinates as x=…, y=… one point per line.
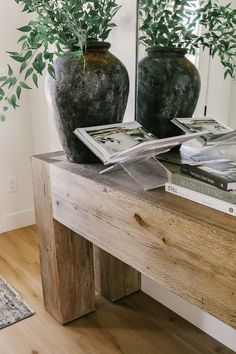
x=121, y=181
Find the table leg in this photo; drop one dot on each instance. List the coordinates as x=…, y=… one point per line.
x=66, y=258
x=114, y=279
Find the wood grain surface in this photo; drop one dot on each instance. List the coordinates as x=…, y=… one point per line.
x=114, y=279
x=66, y=258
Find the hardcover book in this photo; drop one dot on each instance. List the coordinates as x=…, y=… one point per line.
x=219, y=173
x=214, y=129
x=125, y=141
x=193, y=184
x=200, y=198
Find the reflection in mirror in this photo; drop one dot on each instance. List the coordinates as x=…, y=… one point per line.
x=168, y=82
x=123, y=45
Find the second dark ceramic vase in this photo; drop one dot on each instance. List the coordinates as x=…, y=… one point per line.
x=88, y=91
x=168, y=87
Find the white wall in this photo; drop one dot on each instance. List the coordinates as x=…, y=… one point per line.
x=123, y=40
x=232, y=112
x=44, y=134
x=16, y=209
x=31, y=130
x=215, y=90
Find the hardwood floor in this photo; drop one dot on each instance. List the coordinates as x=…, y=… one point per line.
x=135, y=325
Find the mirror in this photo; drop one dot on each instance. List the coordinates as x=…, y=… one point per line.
x=123, y=45
x=215, y=95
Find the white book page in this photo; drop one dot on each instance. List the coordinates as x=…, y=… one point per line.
x=118, y=142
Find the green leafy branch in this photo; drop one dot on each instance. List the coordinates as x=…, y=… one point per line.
x=60, y=27
x=173, y=23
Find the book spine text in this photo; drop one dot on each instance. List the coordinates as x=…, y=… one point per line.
x=194, y=172
x=202, y=187
x=200, y=198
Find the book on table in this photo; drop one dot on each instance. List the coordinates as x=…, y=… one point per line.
x=211, y=129
x=203, y=193
x=201, y=198
x=219, y=173
x=182, y=180
x=120, y=142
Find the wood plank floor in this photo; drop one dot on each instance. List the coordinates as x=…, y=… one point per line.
x=135, y=325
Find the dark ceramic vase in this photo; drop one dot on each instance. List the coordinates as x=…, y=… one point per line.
x=88, y=91
x=168, y=87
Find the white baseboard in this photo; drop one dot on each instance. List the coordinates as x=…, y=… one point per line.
x=17, y=220
x=199, y=318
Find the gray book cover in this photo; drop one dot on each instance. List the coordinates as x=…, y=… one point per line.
x=220, y=173
x=202, y=187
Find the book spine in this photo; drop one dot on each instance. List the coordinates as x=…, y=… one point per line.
x=200, y=198
x=193, y=171
x=202, y=187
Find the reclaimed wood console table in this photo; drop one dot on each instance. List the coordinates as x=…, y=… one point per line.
x=188, y=248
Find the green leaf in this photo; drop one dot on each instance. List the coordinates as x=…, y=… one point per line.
x=12, y=101
x=6, y=82
x=28, y=55
x=35, y=79
x=77, y=53
x=3, y=118
x=18, y=58
x=13, y=53
x=37, y=67
x=12, y=81
x=10, y=71
x=28, y=73
x=51, y=71
x=23, y=66
x=24, y=85
x=18, y=92
x=22, y=39
x=25, y=29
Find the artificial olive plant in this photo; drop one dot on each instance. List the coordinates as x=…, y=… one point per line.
x=173, y=23
x=59, y=27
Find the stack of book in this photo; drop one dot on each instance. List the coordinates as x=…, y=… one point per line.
x=213, y=189
x=210, y=182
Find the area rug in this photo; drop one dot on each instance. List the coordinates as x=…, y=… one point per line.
x=12, y=307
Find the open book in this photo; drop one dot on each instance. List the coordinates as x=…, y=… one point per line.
x=215, y=129
x=121, y=142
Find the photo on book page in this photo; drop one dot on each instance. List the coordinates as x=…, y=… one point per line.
x=215, y=128
x=120, y=138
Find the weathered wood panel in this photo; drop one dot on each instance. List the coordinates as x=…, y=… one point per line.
x=187, y=253
x=114, y=279
x=66, y=258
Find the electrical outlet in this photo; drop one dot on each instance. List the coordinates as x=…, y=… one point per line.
x=12, y=184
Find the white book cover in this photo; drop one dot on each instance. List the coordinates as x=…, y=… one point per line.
x=123, y=141
x=200, y=198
